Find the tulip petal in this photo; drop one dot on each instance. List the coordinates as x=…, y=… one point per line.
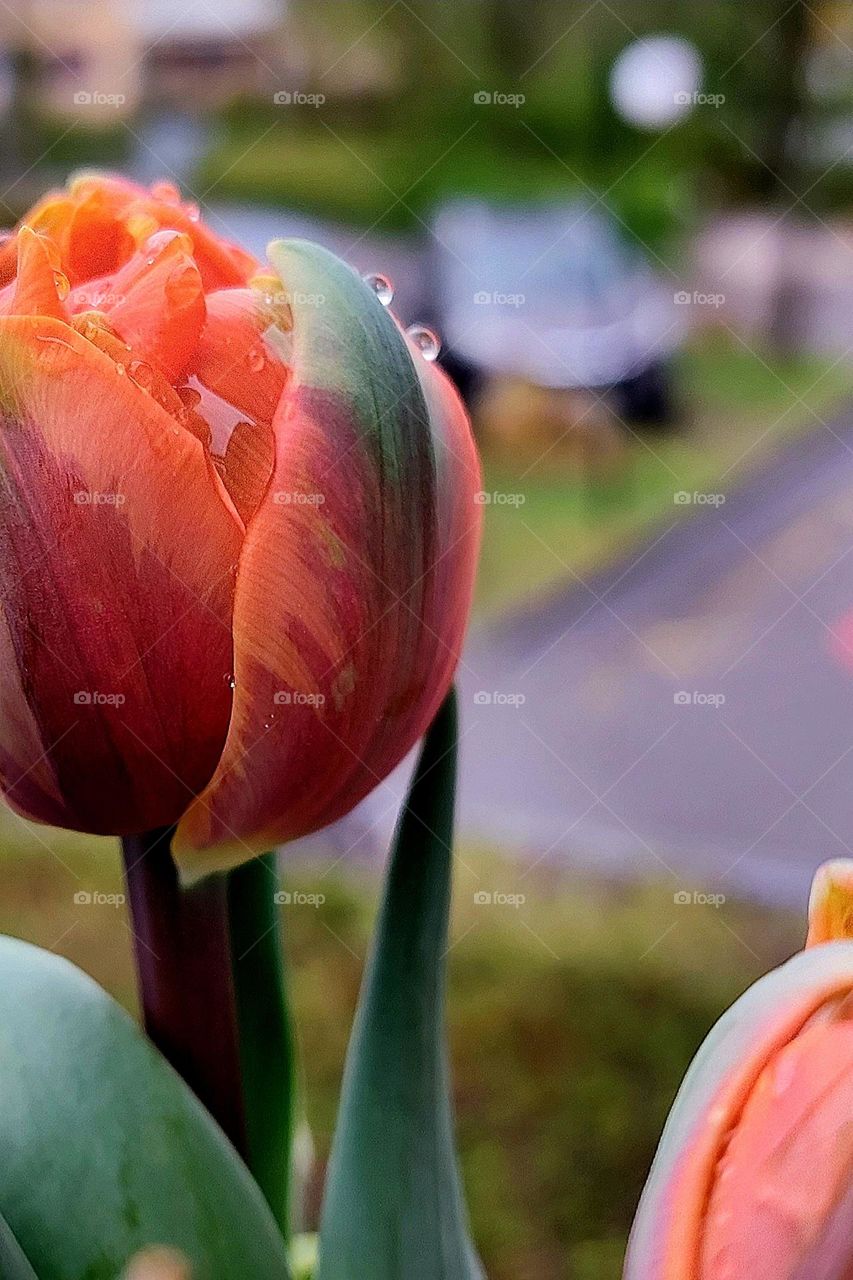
x=35, y=291
x=235, y=382
x=831, y=903
x=355, y=578
x=141, y=212
x=155, y=303
x=116, y=584
x=781, y=1201
x=101, y=219
x=666, y=1239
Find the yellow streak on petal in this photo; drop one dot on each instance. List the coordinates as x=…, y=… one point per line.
x=831, y=903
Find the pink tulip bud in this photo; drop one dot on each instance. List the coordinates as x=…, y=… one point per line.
x=753, y=1179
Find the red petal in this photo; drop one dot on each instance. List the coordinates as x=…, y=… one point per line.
x=355, y=577
x=116, y=580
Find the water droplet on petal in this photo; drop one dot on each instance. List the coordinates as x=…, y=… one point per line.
x=230, y=681
x=63, y=288
x=381, y=286
x=257, y=360
x=427, y=342
x=192, y=211
x=142, y=374
x=167, y=192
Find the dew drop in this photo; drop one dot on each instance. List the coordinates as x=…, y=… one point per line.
x=142, y=374
x=63, y=288
x=257, y=360
x=427, y=342
x=190, y=397
x=381, y=286
x=230, y=681
x=167, y=192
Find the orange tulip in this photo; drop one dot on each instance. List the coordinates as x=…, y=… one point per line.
x=238, y=528
x=753, y=1179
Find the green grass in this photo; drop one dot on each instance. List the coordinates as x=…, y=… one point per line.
x=388, y=167
x=737, y=410
x=572, y=1019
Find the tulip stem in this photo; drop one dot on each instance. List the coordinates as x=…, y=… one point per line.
x=266, y=1036
x=183, y=959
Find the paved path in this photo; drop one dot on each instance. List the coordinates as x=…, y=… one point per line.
x=745, y=784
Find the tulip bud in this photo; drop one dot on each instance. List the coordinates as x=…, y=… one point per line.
x=753, y=1178
x=237, y=529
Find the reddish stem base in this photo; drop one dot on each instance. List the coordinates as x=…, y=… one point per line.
x=183, y=960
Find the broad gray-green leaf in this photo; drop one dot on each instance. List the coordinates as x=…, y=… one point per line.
x=104, y=1149
x=13, y=1264
x=393, y=1208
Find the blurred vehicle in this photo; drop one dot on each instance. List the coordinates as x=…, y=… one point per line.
x=554, y=295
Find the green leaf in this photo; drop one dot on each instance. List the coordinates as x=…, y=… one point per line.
x=393, y=1208
x=13, y=1263
x=105, y=1149
x=266, y=1040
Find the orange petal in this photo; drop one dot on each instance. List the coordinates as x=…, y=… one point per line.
x=682, y=1209
x=355, y=578
x=234, y=383
x=116, y=582
x=142, y=212
x=780, y=1205
x=40, y=284
x=101, y=219
x=155, y=302
x=87, y=229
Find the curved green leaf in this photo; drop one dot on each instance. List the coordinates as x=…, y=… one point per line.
x=105, y=1149
x=393, y=1208
x=13, y=1263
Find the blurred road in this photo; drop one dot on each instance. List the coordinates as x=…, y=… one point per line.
x=689, y=714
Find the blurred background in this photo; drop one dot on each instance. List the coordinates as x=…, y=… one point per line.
x=630, y=226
